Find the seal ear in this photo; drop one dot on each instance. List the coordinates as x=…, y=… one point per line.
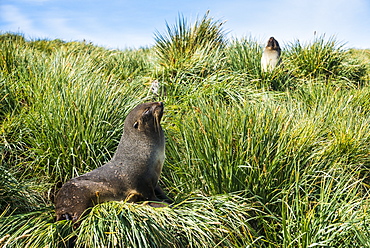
x=136, y=125
x=147, y=112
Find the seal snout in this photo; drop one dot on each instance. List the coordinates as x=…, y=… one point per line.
x=158, y=104
x=157, y=109
x=272, y=43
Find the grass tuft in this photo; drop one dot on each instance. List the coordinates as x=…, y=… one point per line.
x=193, y=50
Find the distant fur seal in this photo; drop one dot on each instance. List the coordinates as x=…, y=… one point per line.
x=155, y=87
x=271, y=55
x=131, y=175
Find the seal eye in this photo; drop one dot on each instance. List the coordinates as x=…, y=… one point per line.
x=136, y=125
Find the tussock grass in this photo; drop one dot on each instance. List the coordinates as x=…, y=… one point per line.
x=199, y=222
x=324, y=58
x=263, y=137
x=72, y=131
x=69, y=102
x=325, y=209
x=244, y=56
x=190, y=49
x=18, y=196
x=278, y=159
x=194, y=223
x=34, y=229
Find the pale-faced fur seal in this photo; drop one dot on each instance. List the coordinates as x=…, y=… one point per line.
x=132, y=174
x=271, y=55
x=155, y=87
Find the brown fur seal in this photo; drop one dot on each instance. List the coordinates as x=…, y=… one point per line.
x=271, y=55
x=132, y=174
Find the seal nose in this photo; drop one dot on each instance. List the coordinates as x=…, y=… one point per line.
x=157, y=106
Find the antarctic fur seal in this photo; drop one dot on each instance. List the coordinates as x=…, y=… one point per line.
x=131, y=175
x=271, y=55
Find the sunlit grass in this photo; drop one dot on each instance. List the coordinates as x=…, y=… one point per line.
x=324, y=58
x=253, y=159
x=191, y=49
x=325, y=208
x=224, y=220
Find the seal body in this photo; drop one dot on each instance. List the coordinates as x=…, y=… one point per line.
x=132, y=174
x=271, y=55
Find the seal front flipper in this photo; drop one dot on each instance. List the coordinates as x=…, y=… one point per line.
x=159, y=193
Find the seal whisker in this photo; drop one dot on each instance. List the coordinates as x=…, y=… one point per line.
x=156, y=124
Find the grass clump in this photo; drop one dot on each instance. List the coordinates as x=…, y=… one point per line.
x=34, y=229
x=186, y=224
x=18, y=196
x=324, y=58
x=194, y=50
x=219, y=221
x=244, y=56
x=325, y=209
x=70, y=131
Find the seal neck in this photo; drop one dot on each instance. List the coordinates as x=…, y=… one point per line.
x=139, y=146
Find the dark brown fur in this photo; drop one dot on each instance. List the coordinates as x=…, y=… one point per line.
x=132, y=174
x=273, y=44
